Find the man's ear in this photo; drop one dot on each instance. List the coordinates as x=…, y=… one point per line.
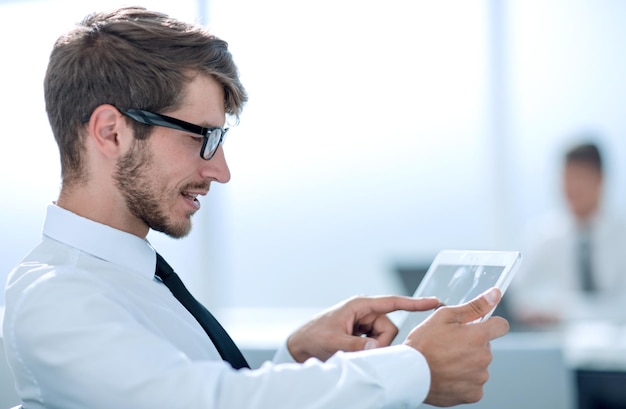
x=108, y=130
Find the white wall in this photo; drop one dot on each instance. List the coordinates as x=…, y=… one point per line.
x=365, y=142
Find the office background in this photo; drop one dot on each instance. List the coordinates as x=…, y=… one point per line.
x=376, y=134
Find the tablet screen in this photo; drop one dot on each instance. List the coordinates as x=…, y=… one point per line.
x=458, y=284
x=458, y=276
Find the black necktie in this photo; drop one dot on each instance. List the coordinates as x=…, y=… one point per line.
x=222, y=341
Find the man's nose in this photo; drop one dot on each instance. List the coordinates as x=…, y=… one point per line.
x=216, y=168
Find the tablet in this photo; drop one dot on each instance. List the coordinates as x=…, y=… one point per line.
x=458, y=276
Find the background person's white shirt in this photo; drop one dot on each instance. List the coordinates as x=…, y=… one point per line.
x=88, y=326
x=548, y=281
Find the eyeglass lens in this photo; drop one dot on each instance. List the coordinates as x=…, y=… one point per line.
x=213, y=139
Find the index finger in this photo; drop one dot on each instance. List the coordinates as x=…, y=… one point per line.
x=387, y=304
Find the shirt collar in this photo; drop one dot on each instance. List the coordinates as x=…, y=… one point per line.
x=101, y=241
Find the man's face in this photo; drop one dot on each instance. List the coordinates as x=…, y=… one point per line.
x=161, y=177
x=582, y=185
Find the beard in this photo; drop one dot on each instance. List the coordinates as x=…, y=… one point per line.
x=137, y=180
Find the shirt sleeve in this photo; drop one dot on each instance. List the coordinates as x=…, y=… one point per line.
x=402, y=372
x=92, y=353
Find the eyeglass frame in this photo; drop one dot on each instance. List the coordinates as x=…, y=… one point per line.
x=152, y=118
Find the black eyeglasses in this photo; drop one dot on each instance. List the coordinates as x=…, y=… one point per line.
x=212, y=137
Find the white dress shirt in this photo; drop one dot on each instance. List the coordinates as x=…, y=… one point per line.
x=549, y=282
x=88, y=326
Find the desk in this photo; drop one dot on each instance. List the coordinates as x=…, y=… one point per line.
x=596, y=345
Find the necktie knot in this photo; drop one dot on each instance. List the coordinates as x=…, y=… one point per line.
x=163, y=269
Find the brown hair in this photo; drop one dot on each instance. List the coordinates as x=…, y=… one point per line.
x=130, y=58
x=586, y=152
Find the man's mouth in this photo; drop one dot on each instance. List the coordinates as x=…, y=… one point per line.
x=191, y=196
x=192, y=200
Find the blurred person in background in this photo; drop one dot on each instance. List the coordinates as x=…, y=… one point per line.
x=575, y=260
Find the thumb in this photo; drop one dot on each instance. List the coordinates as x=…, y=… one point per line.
x=360, y=344
x=370, y=343
x=478, y=307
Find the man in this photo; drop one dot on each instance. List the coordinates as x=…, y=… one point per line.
x=574, y=266
x=137, y=102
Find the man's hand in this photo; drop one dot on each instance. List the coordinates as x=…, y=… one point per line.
x=357, y=324
x=458, y=351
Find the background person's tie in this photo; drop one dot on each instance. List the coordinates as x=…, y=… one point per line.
x=584, y=261
x=222, y=341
